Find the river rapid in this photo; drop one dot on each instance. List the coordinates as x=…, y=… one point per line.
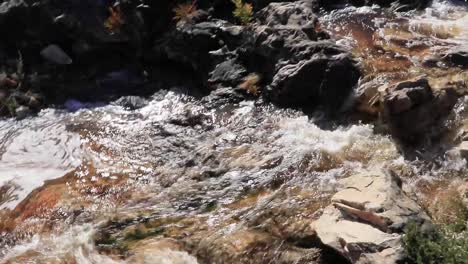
x=108, y=184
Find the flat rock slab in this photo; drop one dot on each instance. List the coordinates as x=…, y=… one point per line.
x=367, y=216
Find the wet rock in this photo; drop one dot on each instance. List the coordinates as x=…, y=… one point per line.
x=316, y=81
x=414, y=111
x=165, y=250
x=236, y=246
x=457, y=57
x=367, y=218
x=30, y=100
x=132, y=102
x=367, y=98
x=431, y=61
x=115, y=82
x=227, y=73
x=460, y=151
x=55, y=54
x=406, y=95
x=252, y=246
x=18, y=103
x=196, y=46
x=22, y=112
x=303, y=69
x=75, y=105
x=287, y=14
x=223, y=97
x=188, y=119
x=284, y=46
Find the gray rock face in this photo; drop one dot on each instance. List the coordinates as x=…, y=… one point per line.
x=413, y=110
x=293, y=15
x=303, y=69
x=299, y=66
x=227, y=72
x=367, y=216
x=206, y=48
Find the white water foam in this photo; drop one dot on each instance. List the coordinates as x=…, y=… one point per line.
x=35, y=150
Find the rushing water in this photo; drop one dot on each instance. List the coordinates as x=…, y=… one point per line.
x=65, y=176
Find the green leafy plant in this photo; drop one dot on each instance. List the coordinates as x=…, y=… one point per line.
x=11, y=105
x=439, y=246
x=243, y=11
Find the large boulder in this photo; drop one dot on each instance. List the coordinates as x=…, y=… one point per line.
x=284, y=49
x=301, y=66
x=415, y=112
x=367, y=217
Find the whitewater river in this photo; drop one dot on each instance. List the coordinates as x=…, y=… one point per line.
x=75, y=184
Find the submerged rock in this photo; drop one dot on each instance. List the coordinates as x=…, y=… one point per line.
x=222, y=97
x=132, y=102
x=459, y=151
x=457, y=57
x=367, y=218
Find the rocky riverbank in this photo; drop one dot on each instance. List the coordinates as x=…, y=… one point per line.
x=99, y=51
x=181, y=131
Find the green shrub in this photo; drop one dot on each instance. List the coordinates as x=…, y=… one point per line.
x=243, y=11
x=10, y=104
x=439, y=246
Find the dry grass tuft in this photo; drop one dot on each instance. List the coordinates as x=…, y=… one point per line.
x=115, y=21
x=184, y=11
x=251, y=84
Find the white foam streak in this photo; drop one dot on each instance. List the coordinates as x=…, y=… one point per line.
x=76, y=245
x=301, y=136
